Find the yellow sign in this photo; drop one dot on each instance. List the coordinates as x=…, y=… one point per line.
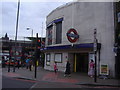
x=37, y=63
x=104, y=70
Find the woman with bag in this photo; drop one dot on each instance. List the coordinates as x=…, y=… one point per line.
x=91, y=68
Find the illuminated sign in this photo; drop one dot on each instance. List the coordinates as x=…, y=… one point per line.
x=72, y=35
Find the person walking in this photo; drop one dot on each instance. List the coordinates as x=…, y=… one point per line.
x=27, y=62
x=91, y=68
x=55, y=67
x=67, y=71
x=18, y=64
x=30, y=65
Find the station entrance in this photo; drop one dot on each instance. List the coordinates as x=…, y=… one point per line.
x=81, y=62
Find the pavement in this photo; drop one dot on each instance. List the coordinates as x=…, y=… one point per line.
x=50, y=76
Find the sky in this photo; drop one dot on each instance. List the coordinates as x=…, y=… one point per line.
x=32, y=14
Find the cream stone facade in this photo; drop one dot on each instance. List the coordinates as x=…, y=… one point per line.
x=84, y=17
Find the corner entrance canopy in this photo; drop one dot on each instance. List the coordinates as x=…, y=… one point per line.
x=71, y=47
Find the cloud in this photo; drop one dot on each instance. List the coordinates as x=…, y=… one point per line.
x=8, y=17
x=38, y=0
x=32, y=14
x=62, y=1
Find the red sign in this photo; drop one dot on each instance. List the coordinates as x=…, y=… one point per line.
x=72, y=35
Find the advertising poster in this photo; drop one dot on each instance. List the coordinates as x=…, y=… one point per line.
x=104, y=70
x=91, y=56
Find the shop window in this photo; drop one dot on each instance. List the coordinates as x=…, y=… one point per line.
x=58, y=57
x=58, y=32
x=48, y=59
x=49, y=30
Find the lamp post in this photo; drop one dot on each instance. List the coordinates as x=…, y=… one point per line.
x=36, y=49
x=95, y=53
x=9, y=56
x=28, y=28
x=16, y=32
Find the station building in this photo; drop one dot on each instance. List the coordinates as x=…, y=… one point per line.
x=70, y=35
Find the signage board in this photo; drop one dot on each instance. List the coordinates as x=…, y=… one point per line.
x=95, y=46
x=72, y=35
x=91, y=57
x=104, y=69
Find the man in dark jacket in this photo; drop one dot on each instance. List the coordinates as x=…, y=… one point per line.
x=67, y=71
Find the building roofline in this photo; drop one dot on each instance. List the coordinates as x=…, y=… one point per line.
x=60, y=7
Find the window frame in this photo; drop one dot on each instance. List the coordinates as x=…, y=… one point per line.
x=58, y=36
x=49, y=34
x=48, y=61
x=58, y=60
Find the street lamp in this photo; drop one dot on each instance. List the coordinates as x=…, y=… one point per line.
x=30, y=29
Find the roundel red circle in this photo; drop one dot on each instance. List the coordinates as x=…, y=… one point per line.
x=72, y=35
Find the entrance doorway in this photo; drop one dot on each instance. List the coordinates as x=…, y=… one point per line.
x=82, y=62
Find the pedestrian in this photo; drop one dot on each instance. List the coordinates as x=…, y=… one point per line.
x=3, y=62
x=55, y=67
x=18, y=64
x=67, y=71
x=27, y=62
x=30, y=65
x=91, y=68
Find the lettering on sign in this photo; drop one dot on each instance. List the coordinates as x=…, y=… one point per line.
x=72, y=35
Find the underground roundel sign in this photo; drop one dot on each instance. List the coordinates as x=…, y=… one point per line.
x=72, y=35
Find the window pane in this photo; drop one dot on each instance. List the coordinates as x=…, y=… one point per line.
x=58, y=57
x=49, y=30
x=48, y=59
x=58, y=32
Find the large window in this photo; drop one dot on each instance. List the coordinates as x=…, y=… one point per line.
x=49, y=30
x=47, y=59
x=58, y=57
x=58, y=32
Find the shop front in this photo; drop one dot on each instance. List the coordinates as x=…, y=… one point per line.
x=79, y=56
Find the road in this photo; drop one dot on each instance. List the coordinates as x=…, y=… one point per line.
x=23, y=84
x=47, y=84
x=10, y=82
x=45, y=80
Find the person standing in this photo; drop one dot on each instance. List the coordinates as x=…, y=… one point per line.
x=67, y=71
x=55, y=67
x=91, y=68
